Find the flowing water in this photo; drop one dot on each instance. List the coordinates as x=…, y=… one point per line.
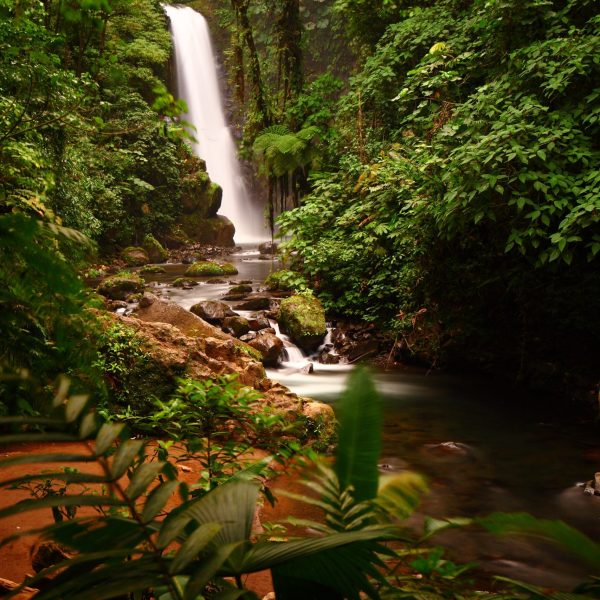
x=481, y=448
x=198, y=85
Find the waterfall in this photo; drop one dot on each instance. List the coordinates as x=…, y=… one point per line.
x=198, y=85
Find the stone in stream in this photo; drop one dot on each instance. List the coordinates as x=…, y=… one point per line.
x=270, y=347
x=236, y=326
x=120, y=287
x=255, y=302
x=212, y=311
x=268, y=248
x=302, y=317
x=135, y=256
x=259, y=322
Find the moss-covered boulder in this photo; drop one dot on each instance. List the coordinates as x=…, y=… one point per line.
x=121, y=287
x=217, y=231
x=154, y=249
x=199, y=195
x=184, y=282
x=206, y=268
x=152, y=269
x=135, y=256
x=302, y=317
x=237, y=326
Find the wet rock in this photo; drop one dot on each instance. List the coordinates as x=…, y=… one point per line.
x=135, y=256
x=327, y=357
x=270, y=347
x=152, y=269
x=212, y=311
x=115, y=305
x=241, y=289
x=255, y=302
x=237, y=326
x=156, y=253
x=218, y=230
x=302, y=317
x=308, y=369
x=215, y=281
x=268, y=248
x=147, y=300
x=185, y=282
x=207, y=268
x=249, y=336
x=258, y=322
x=120, y=287
x=321, y=420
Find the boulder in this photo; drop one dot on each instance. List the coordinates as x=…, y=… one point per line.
x=255, y=302
x=321, y=421
x=270, y=347
x=152, y=269
x=268, y=248
x=135, y=256
x=218, y=231
x=154, y=249
x=199, y=195
x=206, y=268
x=259, y=322
x=120, y=287
x=212, y=311
x=302, y=317
x=237, y=326
x=241, y=289
x=185, y=282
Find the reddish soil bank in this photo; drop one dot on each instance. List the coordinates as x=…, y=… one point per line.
x=15, y=560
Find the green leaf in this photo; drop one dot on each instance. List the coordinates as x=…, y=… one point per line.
x=195, y=543
x=143, y=476
x=108, y=433
x=74, y=406
x=158, y=498
x=125, y=455
x=359, y=446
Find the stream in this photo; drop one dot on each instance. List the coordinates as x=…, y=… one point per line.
x=481, y=448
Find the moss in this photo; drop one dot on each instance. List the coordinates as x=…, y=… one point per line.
x=204, y=268
x=249, y=351
x=228, y=269
x=240, y=289
x=154, y=249
x=302, y=317
x=184, y=282
x=135, y=256
x=120, y=287
x=218, y=231
x=152, y=269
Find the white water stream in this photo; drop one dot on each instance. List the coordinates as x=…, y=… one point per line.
x=198, y=85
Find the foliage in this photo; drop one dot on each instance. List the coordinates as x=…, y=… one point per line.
x=468, y=153
x=286, y=280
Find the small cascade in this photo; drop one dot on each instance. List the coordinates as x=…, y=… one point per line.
x=295, y=358
x=198, y=85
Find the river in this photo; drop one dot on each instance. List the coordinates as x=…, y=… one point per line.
x=482, y=446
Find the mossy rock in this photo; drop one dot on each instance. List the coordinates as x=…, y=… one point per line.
x=200, y=196
x=204, y=268
x=240, y=289
x=302, y=317
x=217, y=231
x=120, y=287
x=135, y=256
x=184, y=282
x=229, y=269
x=152, y=269
x=154, y=249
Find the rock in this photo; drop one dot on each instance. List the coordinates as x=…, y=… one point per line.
x=212, y=311
x=269, y=596
x=199, y=195
x=185, y=282
x=234, y=297
x=308, y=369
x=206, y=268
x=248, y=337
x=218, y=230
x=135, y=256
x=152, y=269
x=241, y=289
x=237, y=326
x=268, y=248
x=255, y=302
x=147, y=300
x=270, y=347
x=47, y=554
x=326, y=357
x=154, y=249
x=215, y=280
x=259, y=322
x=321, y=421
x=302, y=317
x=120, y=287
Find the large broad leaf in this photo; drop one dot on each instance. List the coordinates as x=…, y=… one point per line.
x=359, y=446
x=337, y=573
x=266, y=555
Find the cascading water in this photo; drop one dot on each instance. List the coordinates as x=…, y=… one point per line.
x=198, y=85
